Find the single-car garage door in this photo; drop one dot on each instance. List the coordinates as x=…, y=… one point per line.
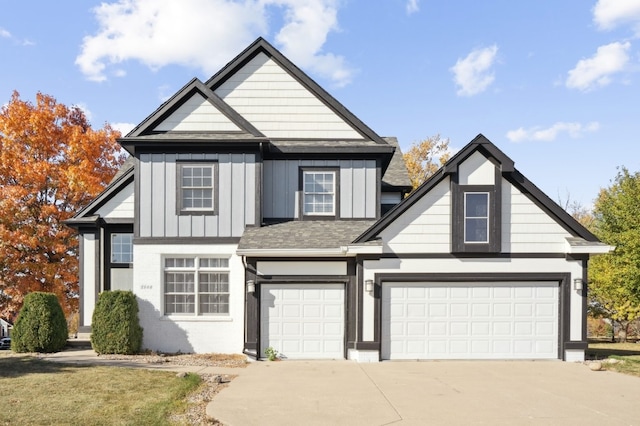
x=504, y=320
x=303, y=320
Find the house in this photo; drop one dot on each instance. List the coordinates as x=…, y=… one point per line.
x=256, y=211
x=5, y=328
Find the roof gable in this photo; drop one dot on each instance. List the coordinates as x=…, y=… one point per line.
x=281, y=93
x=506, y=166
x=195, y=108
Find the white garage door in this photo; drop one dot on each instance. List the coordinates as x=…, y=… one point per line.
x=517, y=320
x=303, y=320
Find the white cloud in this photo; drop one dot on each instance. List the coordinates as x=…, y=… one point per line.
x=412, y=6
x=206, y=34
x=596, y=71
x=573, y=130
x=4, y=33
x=124, y=128
x=473, y=74
x=608, y=14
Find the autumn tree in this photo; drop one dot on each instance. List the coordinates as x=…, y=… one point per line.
x=424, y=158
x=51, y=164
x=614, y=290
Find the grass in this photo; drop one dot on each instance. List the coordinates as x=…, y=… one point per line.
x=629, y=353
x=35, y=392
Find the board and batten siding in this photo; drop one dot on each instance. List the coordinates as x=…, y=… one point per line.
x=236, y=197
x=280, y=106
x=357, y=187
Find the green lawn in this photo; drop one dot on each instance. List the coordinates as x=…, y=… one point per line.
x=35, y=392
x=628, y=353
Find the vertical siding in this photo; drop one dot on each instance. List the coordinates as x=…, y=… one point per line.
x=236, y=197
x=357, y=187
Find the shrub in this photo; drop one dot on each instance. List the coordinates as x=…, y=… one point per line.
x=41, y=325
x=115, y=328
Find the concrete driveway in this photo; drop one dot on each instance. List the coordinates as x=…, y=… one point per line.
x=433, y=393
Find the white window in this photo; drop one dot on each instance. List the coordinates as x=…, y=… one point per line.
x=197, y=187
x=122, y=248
x=319, y=189
x=476, y=217
x=196, y=286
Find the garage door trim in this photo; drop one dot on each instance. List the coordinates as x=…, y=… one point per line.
x=563, y=280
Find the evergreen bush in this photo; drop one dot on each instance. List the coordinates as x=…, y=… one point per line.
x=41, y=325
x=115, y=327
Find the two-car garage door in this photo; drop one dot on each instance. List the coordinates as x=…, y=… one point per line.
x=502, y=320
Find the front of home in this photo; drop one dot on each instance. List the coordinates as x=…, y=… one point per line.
x=256, y=211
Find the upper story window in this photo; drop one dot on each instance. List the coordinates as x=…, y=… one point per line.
x=122, y=248
x=476, y=217
x=196, y=286
x=319, y=192
x=197, y=188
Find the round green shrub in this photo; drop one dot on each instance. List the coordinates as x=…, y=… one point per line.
x=41, y=325
x=115, y=328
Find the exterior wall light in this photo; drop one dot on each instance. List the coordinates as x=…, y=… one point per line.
x=251, y=286
x=577, y=284
x=368, y=286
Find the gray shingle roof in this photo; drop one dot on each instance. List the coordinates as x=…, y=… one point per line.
x=396, y=174
x=303, y=234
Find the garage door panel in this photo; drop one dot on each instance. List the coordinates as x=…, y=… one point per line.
x=303, y=320
x=470, y=320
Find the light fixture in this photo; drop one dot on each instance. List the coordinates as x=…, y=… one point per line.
x=368, y=286
x=577, y=284
x=251, y=286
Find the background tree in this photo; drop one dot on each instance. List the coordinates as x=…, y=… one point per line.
x=51, y=164
x=424, y=158
x=614, y=290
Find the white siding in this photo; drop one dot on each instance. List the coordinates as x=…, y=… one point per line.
x=278, y=105
x=476, y=170
x=526, y=227
x=121, y=205
x=197, y=114
x=425, y=226
x=302, y=268
x=222, y=334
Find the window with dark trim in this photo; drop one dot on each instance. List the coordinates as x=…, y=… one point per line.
x=122, y=248
x=196, y=286
x=476, y=218
x=197, y=183
x=319, y=192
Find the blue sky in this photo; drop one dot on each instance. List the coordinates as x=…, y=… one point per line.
x=554, y=84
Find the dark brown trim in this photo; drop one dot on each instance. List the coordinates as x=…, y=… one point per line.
x=216, y=184
x=564, y=296
x=468, y=256
x=458, y=192
x=185, y=240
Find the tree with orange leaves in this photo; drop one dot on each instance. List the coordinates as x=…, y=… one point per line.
x=51, y=164
x=424, y=158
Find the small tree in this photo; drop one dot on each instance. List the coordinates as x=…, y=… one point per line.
x=41, y=325
x=115, y=328
x=425, y=158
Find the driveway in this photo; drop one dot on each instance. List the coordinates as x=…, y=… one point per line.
x=433, y=393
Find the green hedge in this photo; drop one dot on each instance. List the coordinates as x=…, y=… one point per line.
x=41, y=325
x=115, y=328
